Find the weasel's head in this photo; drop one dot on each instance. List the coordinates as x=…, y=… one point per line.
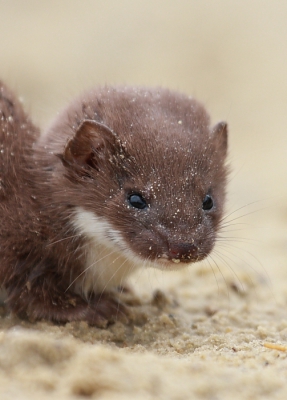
x=150, y=173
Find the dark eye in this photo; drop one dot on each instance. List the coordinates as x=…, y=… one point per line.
x=137, y=201
x=207, y=203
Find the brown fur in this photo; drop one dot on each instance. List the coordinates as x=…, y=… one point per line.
x=108, y=144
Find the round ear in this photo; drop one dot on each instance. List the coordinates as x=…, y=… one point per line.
x=219, y=134
x=90, y=144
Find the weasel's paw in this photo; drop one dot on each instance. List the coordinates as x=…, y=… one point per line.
x=106, y=309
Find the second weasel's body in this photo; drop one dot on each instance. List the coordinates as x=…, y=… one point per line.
x=124, y=178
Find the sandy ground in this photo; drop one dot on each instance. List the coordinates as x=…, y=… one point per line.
x=217, y=330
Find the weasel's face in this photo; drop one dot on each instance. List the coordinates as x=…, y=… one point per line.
x=170, y=213
x=154, y=189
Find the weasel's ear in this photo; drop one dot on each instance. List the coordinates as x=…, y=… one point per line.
x=89, y=145
x=219, y=134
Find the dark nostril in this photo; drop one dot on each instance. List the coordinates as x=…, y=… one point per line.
x=183, y=251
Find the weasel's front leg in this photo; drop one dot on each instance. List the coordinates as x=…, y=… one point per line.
x=45, y=299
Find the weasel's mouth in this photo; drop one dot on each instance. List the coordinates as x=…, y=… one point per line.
x=183, y=260
x=165, y=262
x=176, y=261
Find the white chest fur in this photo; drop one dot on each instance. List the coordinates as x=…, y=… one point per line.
x=108, y=262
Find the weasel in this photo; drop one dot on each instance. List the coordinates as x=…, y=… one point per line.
x=124, y=178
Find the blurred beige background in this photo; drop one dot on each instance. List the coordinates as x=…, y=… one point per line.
x=232, y=56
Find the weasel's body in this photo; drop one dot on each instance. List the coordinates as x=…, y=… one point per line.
x=124, y=178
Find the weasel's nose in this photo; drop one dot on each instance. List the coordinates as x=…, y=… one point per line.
x=183, y=252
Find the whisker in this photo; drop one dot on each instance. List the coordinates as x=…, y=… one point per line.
x=215, y=277
x=87, y=268
x=242, y=207
x=223, y=277
x=63, y=239
x=254, y=257
x=226, y=239
x=117, y=270
x=227, y=222
x=233, y=272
